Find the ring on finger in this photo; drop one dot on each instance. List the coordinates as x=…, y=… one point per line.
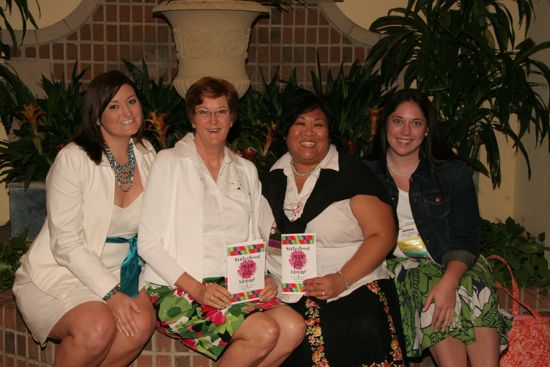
x=323, y=293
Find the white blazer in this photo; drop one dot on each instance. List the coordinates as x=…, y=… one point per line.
x=171, y=230
x=79, y=202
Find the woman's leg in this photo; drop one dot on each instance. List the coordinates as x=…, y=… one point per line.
x=292, y=331
x=252, y=342
x=86, y=333
x=485, y=351
x=450, y=352
x=89, y=336
x=265, y=339
x=124, y=348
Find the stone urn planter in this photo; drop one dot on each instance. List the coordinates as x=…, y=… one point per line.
x=211, y=38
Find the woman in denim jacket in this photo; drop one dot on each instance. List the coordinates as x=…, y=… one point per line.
x=446, y=289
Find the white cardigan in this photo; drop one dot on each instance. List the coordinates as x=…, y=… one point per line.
x=79, y=202
x=171, y=233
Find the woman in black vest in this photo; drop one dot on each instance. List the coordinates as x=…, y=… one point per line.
x=350, y=306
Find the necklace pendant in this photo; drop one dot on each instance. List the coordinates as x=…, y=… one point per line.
x=124, y=173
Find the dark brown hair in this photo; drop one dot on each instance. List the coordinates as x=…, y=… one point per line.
x=100, y=92
x=432, y=148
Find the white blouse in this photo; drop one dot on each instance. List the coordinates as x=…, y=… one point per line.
x=226, y=211
x=337, y=231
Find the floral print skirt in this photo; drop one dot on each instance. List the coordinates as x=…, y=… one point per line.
x=476, y=303
x=204, y=329
x=361, y=329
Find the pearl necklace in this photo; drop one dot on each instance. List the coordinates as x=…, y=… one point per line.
x=399, y=174
x=124, y=173
x=305, y=174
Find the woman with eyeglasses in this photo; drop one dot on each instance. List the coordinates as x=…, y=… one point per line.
x=200, y=197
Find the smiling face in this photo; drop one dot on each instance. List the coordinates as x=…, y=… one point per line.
x=122, y=117
x=308, y=139
x=212, y=121
x=406, y=129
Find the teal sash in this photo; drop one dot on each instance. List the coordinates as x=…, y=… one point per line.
x=131, y=266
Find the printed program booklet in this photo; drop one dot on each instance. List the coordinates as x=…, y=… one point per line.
x=298, y=260
x=245, y=270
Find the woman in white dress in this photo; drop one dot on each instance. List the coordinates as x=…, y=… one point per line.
x=78, y=284
x=201, y=197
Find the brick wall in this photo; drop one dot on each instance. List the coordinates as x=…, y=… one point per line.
x=124, y=29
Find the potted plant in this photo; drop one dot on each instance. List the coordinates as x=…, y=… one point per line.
x=212, y=37
x=464, y=55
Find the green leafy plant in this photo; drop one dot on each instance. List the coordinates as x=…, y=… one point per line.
x=22, y=6
x=523, y=251
x=46, y=124
x=463, y=53
x=10, y=253
x=353, y=97
x=163, y=108
x=258, y=134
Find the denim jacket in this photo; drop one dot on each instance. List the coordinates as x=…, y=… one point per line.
x=444, y=207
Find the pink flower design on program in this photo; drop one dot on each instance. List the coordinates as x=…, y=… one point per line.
x=247, y=268
x=298, y=259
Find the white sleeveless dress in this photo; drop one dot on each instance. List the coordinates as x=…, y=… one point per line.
x=41, y=311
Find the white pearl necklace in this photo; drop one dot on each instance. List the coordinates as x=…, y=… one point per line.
x=305, y=174
x=399, y=174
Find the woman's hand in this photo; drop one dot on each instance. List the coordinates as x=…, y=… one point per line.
x=325, y=287
x=270, y=290
x=444, y=297
x=443, y=294
x=212, y=294
x=123, y=308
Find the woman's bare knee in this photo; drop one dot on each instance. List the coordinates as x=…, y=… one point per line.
x=291, y=323
x=89, y=326
x=260, y=329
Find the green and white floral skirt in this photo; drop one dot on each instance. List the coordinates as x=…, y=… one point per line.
x=476, y=303
x=205, y=329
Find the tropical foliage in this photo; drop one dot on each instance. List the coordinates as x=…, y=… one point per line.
x=10, y=253
x=523, y=251
x=26, y=16
x=353, y=97
x=45, y=125
x=464, y=54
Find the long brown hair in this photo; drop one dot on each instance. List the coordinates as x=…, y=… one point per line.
x=100, y=92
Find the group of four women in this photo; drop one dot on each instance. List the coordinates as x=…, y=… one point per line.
x=132, y=241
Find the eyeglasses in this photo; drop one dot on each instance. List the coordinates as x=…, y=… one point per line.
x=204, y=113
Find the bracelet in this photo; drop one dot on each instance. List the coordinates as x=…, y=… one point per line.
x=112, y=292
x=346, y=284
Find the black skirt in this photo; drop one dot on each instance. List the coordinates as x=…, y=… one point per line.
x=360, y=329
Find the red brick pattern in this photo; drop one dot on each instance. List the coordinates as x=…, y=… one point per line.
x=123, y=29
